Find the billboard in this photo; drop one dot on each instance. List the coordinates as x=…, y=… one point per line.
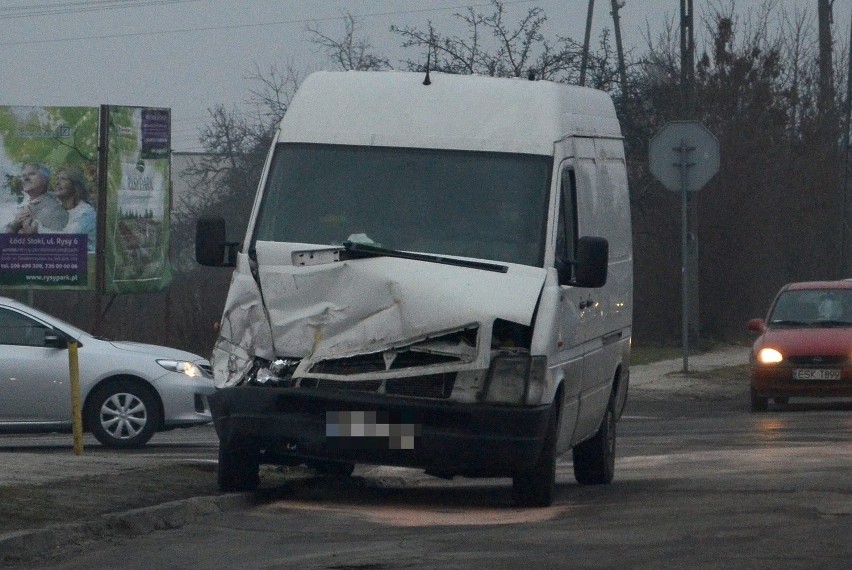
x=85, y=198
x=48, y=196
x=138, y=199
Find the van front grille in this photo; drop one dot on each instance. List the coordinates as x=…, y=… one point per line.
x=366, y=363
x=437, y=386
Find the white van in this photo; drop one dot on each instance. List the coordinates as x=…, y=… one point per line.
x=437, y=273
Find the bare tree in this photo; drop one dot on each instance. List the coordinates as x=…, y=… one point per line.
x=349, y=52
x=495, y=47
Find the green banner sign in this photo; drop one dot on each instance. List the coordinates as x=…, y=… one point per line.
x=138, y=191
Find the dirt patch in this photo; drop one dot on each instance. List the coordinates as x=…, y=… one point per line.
x=74, y=499
x=726, y=383
x=24, y=507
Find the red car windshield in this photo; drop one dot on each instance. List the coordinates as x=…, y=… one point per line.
x=813, y=307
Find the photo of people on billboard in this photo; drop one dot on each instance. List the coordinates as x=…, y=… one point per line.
x=48, y=202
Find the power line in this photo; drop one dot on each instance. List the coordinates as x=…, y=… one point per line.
x=243, y=26
x=16, y=12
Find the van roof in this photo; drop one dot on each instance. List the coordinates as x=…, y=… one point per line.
x=392, y=108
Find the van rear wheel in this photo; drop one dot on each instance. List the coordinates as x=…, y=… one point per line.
x=536, y=487
x=594, y=459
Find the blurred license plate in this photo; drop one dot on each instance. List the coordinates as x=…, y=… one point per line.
x=816, y=374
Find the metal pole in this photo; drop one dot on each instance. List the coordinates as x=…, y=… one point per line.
x=586, y=42
x=622, y=69
x=76, y=398
x=683, y=150
x=845, y=253
x=103, y=175
x=687, y=57
x=687, y=78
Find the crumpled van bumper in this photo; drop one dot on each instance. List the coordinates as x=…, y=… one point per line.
x=443, y=437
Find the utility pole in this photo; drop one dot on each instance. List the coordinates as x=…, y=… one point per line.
x=687, y=79
x=826, y=72
x=585, y=61
x=846, y=216
x=622, y=69
x=687, y=58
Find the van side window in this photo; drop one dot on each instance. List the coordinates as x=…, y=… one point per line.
x=566, y=237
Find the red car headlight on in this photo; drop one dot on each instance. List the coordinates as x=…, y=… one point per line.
x=769, y=356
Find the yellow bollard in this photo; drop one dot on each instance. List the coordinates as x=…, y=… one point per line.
x=76, y=405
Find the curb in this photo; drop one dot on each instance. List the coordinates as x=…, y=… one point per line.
x=21, y=546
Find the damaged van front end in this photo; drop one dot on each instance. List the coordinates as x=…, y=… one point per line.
x=380, y=359
x=435, y=274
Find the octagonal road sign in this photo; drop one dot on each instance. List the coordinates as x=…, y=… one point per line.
x=684, y=153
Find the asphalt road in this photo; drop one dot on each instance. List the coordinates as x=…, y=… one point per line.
x=699, y=484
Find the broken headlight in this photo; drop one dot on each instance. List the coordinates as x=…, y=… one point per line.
x=277, y=373
x=516, y=379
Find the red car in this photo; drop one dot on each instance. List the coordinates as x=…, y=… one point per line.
x=805, y=344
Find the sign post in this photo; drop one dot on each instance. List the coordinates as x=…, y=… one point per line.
x=684, y=156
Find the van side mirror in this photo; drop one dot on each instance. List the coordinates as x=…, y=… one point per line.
x=590, y=267
x=211, y=249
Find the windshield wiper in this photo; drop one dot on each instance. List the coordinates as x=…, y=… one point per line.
x=834, y=323
x=352, y=250
x=791, y=323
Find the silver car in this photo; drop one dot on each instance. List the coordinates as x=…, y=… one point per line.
x=129, y=390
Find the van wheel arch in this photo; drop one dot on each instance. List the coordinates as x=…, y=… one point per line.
x=619, y=379
x=535, y=486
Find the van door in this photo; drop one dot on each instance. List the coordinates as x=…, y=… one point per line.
x=572, y=310
x=603, y=209
x=595, y=388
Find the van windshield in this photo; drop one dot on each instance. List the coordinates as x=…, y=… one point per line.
x=472, y=204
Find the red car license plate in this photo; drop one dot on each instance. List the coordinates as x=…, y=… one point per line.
x=816, y=374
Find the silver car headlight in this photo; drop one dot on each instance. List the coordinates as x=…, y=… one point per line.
x=182, y=366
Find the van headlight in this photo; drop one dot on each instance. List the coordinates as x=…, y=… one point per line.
x=181, y=366
x=516, y=380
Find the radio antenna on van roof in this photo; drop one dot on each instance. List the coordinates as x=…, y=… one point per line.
x=428, y=81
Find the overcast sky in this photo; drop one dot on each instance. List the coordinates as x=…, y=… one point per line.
x=190, y=55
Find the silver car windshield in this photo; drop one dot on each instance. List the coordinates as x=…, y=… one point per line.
x=471, y=204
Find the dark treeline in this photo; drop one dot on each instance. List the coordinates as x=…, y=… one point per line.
x=774, y=213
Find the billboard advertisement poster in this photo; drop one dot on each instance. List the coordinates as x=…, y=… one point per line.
x=138, y=188
x=48, y=197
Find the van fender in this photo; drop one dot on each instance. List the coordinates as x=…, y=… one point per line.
x=569, y=408
x=620, y=385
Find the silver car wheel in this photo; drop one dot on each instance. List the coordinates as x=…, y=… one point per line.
x=123, y=415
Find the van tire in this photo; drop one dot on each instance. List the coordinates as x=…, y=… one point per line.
x=536, y=487
x=239, y=468
x=594, y=459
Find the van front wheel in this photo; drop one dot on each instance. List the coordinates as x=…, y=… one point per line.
x=594, y=459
